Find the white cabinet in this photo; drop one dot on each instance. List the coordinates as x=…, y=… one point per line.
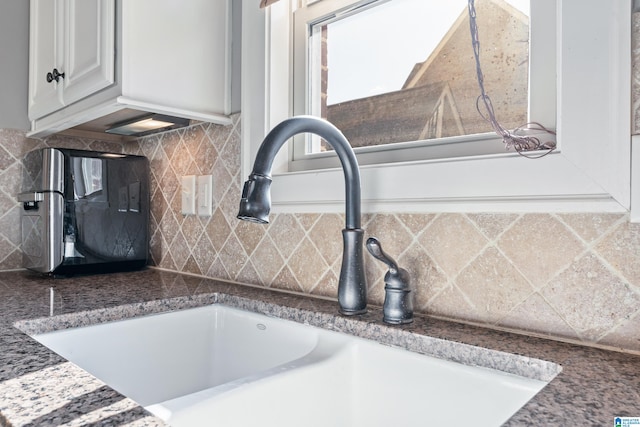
x=72, y=52
x=115, y=56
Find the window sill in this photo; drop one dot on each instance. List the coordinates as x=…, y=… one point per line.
x=496, y=183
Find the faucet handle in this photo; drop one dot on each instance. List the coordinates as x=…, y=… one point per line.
x=375, y=248
x=398, y=303
x=396, y=277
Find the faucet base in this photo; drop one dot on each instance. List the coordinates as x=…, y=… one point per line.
x=352, y=285
x=352, y=313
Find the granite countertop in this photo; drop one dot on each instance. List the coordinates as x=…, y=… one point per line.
x=39, y=388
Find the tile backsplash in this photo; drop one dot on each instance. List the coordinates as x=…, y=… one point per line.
x=574, y=277
x=568, y=276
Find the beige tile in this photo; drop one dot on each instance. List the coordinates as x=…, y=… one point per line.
x=192, y=229
x=452, y=241
x=191, y=266
x=206, y=155
x=170, y=142
x=285, y=280
x=218, y=270
x=621, y=250
x=590, y=226
x=222, y=181
x=539, y=246
x=230, y=202
x=8, y=227
x=230, y=155
x=159, y=164
x=307, y=220
x=267, y=261
x=286, y=233
x=12, y=261
x=248, y=274
x=7, y=203
x=11, y=179
x=169, y=184
x=147, y=145
x=218, y=230
x=416, y=223
x=326, y=234
x=327, y=286
x=434, y=248
x=16, y=143
x=493, y=224
x=104, y=146
x=591, y=298
x=626, y=335
x=232, y=256
x=179, y=250
x=374, y=273
x=307, y=265
x=203, y=253
x=535, y=315
x=492, y=286
x=175, y=206
x=6, y=159
x=167, y=261
x=219, y=135
x=450, y=303
x=426, y=280
x=193, y=137
x=169, y=226
x=249, y=234
x=158, y=206
x=156, y=247
x=180, y=160
x=393, y=236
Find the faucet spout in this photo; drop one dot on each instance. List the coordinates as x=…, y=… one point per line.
x=255, y=203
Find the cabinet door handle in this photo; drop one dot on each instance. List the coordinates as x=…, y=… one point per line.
x=55, y=75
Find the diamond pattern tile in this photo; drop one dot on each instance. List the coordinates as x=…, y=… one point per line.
x=591, y=298
x=570, y=276
x=452, y=241
x=268, y=261
x=540, y=247
x=286, y=233
x=493, y=285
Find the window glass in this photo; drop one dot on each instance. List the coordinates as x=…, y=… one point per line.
x=403, y=70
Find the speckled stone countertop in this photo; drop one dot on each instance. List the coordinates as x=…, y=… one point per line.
x=39, y=388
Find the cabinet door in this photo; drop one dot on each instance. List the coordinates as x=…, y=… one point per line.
x=45, y=53
x=90, y=47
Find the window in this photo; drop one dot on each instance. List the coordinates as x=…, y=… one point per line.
x=389, y=72
x=589, y=43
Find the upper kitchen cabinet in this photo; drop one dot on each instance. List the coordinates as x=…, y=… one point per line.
x=71, y=54
x=105, y=61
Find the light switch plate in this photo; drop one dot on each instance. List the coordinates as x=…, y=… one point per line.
x=189, y=195
x=205, y=195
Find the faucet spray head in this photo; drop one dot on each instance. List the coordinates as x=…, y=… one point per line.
x=255, y=203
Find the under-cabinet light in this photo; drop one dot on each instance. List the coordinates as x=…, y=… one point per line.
x=146, y=124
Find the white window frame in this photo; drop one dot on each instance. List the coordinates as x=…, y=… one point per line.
x=589, y=172
x=542, y=106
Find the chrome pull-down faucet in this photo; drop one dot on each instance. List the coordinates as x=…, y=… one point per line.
x=256, y=201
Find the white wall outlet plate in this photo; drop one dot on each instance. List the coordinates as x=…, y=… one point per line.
x=189, y=195
x=205, y=195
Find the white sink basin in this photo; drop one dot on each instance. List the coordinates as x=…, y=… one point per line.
x=156, y=358
x=217, y=365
